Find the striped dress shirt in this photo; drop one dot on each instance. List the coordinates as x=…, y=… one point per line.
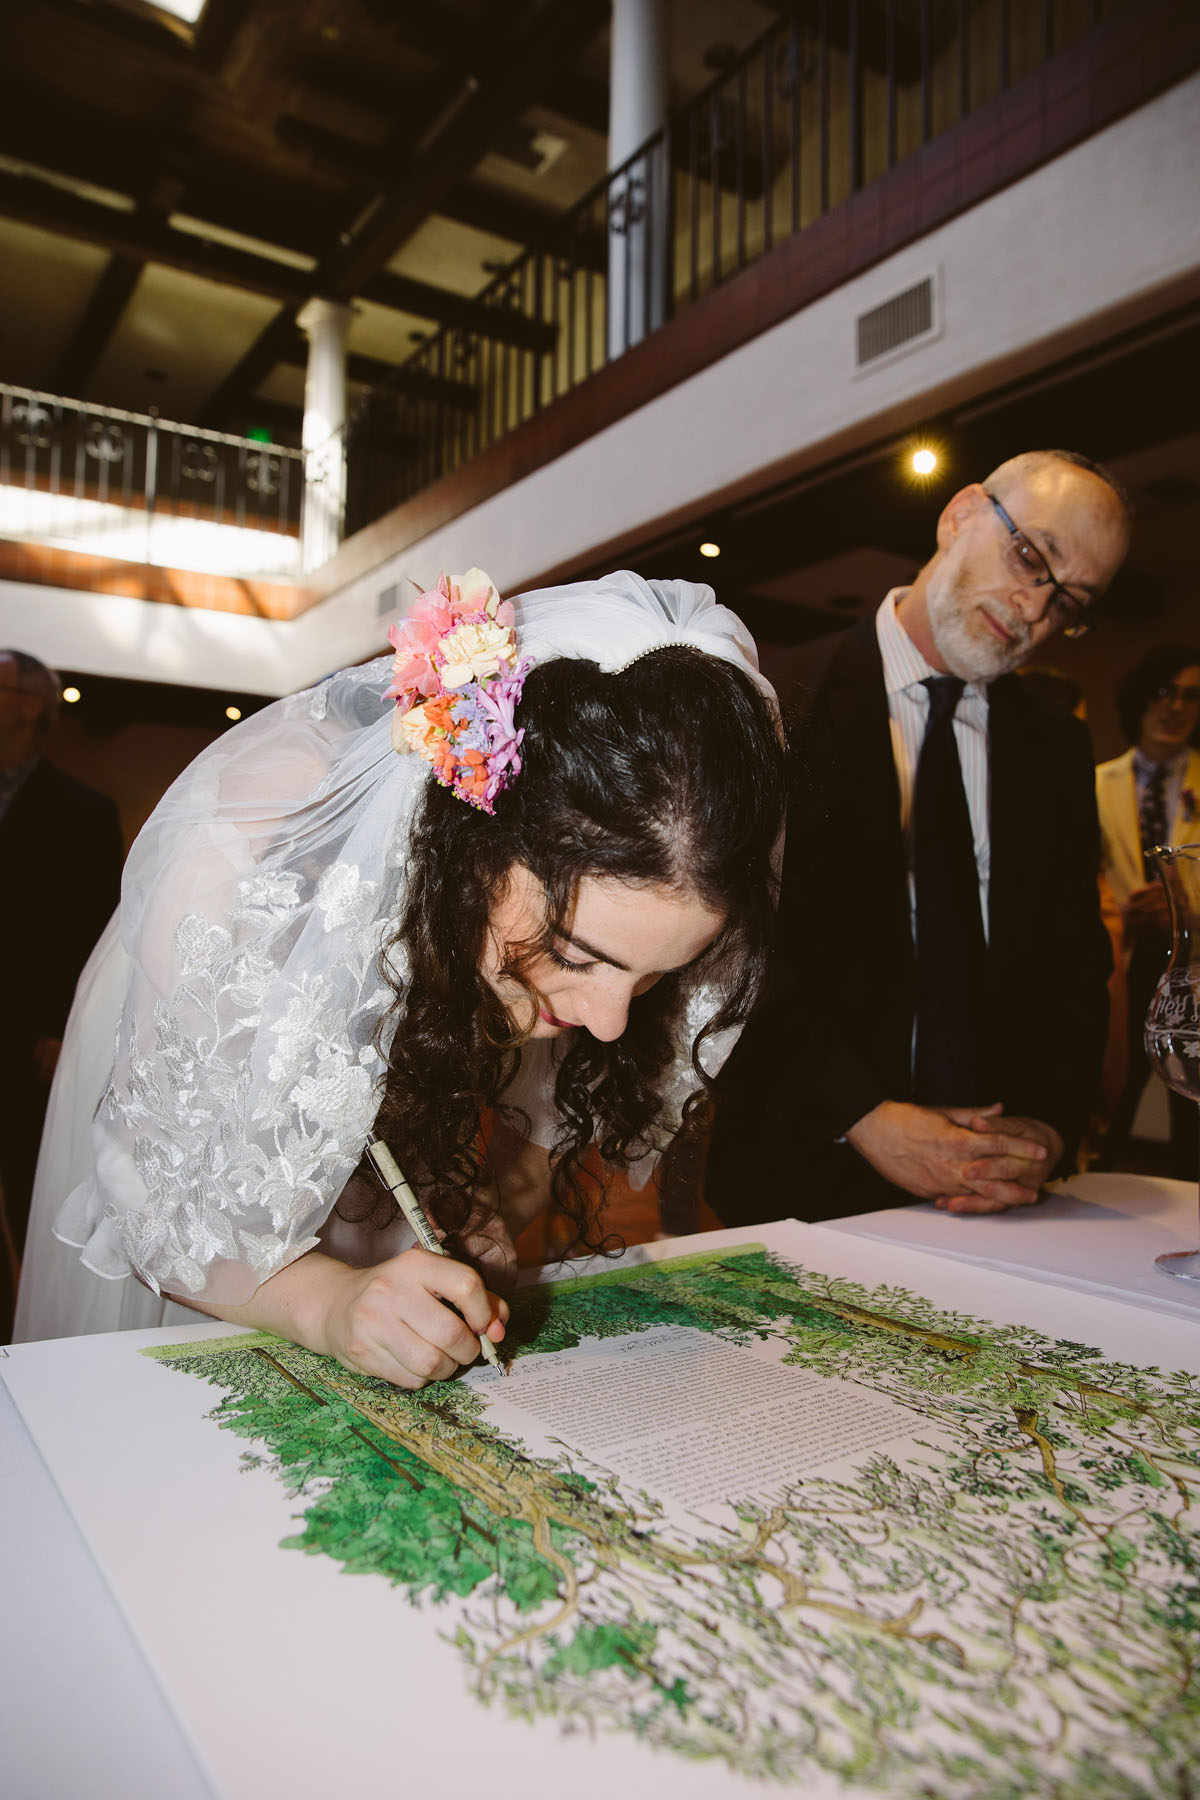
x=1143, y=769
x=904, y=671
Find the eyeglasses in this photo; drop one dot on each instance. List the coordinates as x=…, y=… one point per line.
x=1030, y=569
x=1184, y=696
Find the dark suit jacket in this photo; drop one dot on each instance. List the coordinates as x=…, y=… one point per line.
x=833, y=1036
x=60, y=878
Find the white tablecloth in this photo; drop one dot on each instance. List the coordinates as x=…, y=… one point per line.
x=81, y=1715
x=63, y=1635
x=1098, y=1233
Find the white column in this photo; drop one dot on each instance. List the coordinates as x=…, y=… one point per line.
x=637, y=106
x=325, y=324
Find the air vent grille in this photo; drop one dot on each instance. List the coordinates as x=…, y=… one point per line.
x=387, y=601
x=896, y=322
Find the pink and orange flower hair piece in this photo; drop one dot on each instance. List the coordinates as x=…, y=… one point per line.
x=456, y=682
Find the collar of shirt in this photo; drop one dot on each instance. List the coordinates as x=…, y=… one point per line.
x=904, y=668
x=1145, y=766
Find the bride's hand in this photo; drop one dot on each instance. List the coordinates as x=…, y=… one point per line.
x=395, y=1320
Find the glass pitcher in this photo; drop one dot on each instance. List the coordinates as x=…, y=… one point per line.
x=1173, y=1018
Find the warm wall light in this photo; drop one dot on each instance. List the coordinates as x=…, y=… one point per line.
x=924, y=462
x=71, y=695
x=233, y=712
x=710, y=549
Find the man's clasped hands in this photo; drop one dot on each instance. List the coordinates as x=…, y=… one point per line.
x=966, y=1159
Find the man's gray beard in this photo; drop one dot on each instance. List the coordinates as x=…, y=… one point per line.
x=964, y=649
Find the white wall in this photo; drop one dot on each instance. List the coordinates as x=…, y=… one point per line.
x=148, y=640
x=1103, y=235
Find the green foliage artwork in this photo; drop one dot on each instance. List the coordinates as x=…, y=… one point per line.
x=1013, y=1609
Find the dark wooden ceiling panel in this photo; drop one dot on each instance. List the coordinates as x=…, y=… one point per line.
x=330, y=128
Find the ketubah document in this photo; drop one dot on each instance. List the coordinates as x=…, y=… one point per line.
x=753, y=1510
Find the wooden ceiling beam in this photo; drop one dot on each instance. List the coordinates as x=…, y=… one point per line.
x=547, y=33
x=551, y=32
x=431, y=30
x=533, y=227
x=88, y=146
x=405, y=294
x=517, y=50
x=411, y=384
x=112, y=294
x=156, y=32
x=101, y=316
x=251, y=369
x=218, y=26
x=579, y=99
x=366, y=86
x=144, y=236
x=134, y=235
x=468, y=203
x=343, y=156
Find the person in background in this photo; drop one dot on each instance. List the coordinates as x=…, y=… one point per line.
x=1149, y=796
x=60, y=879
x=940, y=994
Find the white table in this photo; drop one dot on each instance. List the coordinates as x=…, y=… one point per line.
x=63, y=1636
x=81, y=1716
x=1096, y=1233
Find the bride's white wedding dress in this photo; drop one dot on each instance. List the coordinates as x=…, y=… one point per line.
x=59, y=1296
x=223, y=1061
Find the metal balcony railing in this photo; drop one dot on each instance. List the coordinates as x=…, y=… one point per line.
x=815, y=109
x=132, y=486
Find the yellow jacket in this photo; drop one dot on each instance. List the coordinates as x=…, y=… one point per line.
x=1120, y=839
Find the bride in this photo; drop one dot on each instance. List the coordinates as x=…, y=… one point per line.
x=533, y=895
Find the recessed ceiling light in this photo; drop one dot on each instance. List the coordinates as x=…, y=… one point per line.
x=233, y=712
x=924, y=462
x=710, y=549
x=71, y=695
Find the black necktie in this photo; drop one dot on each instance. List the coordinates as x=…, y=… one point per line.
x=950, y=1059
x=1152, y=815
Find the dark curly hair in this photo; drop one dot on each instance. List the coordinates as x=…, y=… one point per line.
x=1139, y=686
x=669, y=774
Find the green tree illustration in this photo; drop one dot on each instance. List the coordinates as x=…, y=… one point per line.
x=1012, y=1609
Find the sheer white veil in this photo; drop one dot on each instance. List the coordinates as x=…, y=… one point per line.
x=255, y=905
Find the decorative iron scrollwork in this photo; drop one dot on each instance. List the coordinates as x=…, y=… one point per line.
x=628, y=207
x=32, y=425
x=105, y=442
x=262, y=473
x=198, y=461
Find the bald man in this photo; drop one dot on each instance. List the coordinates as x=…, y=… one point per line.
x=937, y=1012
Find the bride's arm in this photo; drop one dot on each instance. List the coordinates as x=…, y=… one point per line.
x=393, y=1320
x=245, y=1070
